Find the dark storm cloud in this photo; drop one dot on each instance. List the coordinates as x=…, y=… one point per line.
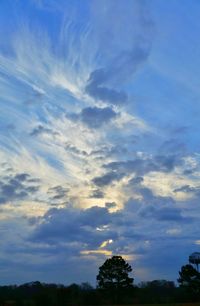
x=95, y=117
x=16, y=187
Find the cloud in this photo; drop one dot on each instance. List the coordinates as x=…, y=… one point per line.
x=107, y=178
x=57, y=193
x=75, y=226
x=40, y=129
x=174, y=145
x=95, y=225
x=128, y=62
x=136, y=180
x=110, y=150
x=167, y=162
x=164, y=214
x=95, y=117
x=124, y=54
x=74, y=150
x=17, y=187
x=188, y=188
x=105, y=94
x=97, y=193
x=80, y=235
x=111, y=205
x=143, y=165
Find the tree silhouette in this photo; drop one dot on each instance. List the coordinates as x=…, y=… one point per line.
x=194, y=259
x=190, y=278
x=113, y=274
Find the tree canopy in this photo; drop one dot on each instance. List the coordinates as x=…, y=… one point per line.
x=114, y=274
x=190, y=278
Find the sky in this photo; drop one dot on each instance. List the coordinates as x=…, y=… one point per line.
x=99, y=137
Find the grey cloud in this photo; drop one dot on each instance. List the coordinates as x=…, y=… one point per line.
x=136, y=180
x=32, y=189
x=140, y=166
x=132, y=206
x=173, y=145
x=107, y=178
x=125, y=64
x=110, y=204
x=105, y=151
x=171, y=214
x=189, y=189
x=95, y=216
x=95, y=117
x=162, y=214
x=167, y=162
x=98, y=194
x=181, y=130
x=72, y=225
x=16, y=187
x=22, y=177
x=150, y=198
x=99, y=92
x=189, y=171
x=40, y=129
x=159, y=208
x=74, y=150
x=186, y=188
x=128, y=49
x=57, y=192
x=130, y=228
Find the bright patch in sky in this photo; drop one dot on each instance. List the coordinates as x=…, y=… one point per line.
x=99, y=137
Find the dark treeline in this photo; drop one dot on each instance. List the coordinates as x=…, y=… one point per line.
x=40, y=294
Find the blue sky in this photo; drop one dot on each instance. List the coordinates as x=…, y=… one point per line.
x=99, y=137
